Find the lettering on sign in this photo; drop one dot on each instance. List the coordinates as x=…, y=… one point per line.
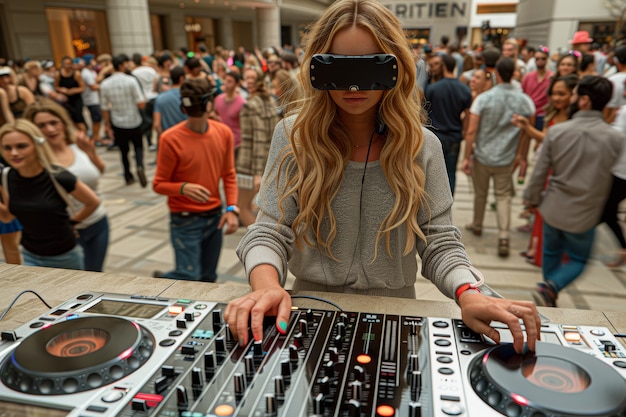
x=428, y=10
x=193, y=27
x=81, y=45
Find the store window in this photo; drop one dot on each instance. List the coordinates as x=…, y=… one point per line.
x=417, y=36
x=77, y=32
x=200, y=31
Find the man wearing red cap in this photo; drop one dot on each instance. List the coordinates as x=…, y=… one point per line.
x=581, y=41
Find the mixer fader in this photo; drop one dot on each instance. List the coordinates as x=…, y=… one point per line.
x=178, y=358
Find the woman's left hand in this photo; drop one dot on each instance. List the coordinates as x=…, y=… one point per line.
x=84, y=143
x=479, y=310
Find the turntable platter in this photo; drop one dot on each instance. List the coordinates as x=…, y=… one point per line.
x=554, y=381
x=77, y=355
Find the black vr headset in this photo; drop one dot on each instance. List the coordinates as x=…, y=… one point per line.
x=353, y=73
x=193, y=101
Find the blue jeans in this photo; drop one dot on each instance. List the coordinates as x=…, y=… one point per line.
x=539, y=122
x=197, y=244
x=94, y=240
x=451, y=157
x=557, y=242
x=72, y=259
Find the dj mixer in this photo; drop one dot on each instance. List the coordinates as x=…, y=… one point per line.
x=103, y=354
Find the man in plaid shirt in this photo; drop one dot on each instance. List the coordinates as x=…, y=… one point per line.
x=121, y=99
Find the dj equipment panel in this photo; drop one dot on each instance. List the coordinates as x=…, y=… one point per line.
x=102, y=354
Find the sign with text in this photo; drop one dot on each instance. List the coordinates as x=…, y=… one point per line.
x=430, y=11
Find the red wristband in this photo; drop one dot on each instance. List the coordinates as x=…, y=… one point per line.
x=464, y=288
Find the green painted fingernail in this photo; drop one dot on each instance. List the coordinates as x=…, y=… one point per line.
x=283, y=326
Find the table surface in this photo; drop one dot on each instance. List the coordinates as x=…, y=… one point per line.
x=56, y=286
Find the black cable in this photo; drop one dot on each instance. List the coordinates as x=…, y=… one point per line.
x=4, y=313
x=620, y=335
x=323, y=300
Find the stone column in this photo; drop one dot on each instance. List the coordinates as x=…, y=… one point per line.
x=268, y=27
x=226, y=33
x=129, y=26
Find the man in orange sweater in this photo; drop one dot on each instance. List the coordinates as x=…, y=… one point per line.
x=193, y=156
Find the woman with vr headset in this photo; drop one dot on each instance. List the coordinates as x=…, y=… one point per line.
x=355, y=188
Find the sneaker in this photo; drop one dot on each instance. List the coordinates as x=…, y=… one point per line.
x=503, y=248
x=142, y=177
x=130, y=179
x=544, y=296
x=152, y=148
x=475, y=230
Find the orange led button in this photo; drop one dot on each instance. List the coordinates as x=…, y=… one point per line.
x=385, y=411
x=364, y=359
x=224, y=410
x=572, y=337
x=175, y=310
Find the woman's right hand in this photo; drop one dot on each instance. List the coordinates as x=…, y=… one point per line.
x=520, y=121
x=268, y=298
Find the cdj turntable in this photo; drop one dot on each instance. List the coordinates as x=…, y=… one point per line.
x=102, y=354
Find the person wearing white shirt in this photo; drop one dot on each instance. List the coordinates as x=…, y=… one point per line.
x=121, y=99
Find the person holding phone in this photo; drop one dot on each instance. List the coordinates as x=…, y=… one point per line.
x=355, y=188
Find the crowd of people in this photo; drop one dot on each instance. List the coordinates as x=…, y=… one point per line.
x=123, y=102
x=229, y=126
x=500, y=103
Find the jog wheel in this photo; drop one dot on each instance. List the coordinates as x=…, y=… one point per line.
x=554, y=381
x=77, y=355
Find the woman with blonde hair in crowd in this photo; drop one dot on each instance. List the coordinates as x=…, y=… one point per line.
x=355, y=189
x=286, y=88
x=35, y=190
x=30, y=78
x=18, y=96
x=75, y=152
x=257, y=119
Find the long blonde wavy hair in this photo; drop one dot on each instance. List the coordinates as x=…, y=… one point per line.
x=321, y=145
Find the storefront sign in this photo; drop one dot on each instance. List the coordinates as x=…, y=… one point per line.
x=430, y=10
x=81, y=44
x=193, y=27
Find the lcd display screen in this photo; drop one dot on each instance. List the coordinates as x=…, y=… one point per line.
x=126, y=308
x=23, y=410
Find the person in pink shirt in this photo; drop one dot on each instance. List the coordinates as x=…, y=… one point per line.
x=536, y=84
x=228, y=105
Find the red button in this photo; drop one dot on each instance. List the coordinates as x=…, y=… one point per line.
x=152, y=400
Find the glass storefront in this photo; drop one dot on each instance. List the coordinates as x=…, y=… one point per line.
x=417, y=36
x=77, y=32
x=200, y=31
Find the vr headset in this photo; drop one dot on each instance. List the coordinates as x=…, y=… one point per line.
x=353, y=73
x=203, y=100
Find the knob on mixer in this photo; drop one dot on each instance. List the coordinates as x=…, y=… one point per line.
x=271, y=405
x=303, y=327
x=239, y=383
x=357, y=390
x=217, y=320
x=279, y=387
x=359, y=373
